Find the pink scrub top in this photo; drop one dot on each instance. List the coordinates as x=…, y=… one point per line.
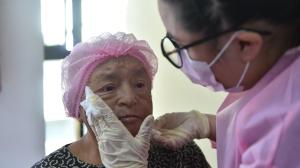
x=260, y=128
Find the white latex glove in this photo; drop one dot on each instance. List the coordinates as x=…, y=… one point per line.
x=177, y=129
x=118, y=148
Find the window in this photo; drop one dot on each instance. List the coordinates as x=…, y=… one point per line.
x=64, y=23
x=103, y=16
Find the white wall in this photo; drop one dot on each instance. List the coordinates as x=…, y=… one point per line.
x=21, y=115
x=172, y=89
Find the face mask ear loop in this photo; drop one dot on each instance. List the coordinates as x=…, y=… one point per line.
x=243, y=74
x=224, y=49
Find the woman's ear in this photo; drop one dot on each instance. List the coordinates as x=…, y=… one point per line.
x=82, y=116
x=83, y=119
x=250, y=45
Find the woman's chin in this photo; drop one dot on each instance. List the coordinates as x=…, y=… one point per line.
x=133, y=128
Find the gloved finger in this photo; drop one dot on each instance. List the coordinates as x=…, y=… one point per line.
x=96, y=128
x=93, y=104
x=112, y=131
x=170, y=141
x=155, y=132
x=107, y=124
x=98, y=108
x=174, y=138
x=160, y=122
x=88, y=105
x=170, y=120
x=104, y=111
x=85, y=108
x=105, y=121
x=165, y=121
x=144, y=133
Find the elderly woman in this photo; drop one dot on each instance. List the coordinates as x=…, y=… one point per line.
x=118, y=69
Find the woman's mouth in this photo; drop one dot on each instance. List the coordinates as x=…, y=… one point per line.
x=129, y=118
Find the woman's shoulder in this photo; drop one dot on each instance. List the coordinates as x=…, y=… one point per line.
x=62, y=157
x=53, y=159
x=189, y=155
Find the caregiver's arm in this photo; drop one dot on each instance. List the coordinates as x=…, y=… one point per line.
x=212, y=126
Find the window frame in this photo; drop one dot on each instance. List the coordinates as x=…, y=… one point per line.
x=60, y=51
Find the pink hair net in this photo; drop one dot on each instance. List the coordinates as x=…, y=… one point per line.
x=83, y=59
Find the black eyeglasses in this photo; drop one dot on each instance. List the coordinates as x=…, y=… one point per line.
x=173, y=52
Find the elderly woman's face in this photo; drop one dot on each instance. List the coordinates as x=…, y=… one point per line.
x=125, y=86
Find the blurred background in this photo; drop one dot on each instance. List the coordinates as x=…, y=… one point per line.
x=35, y=35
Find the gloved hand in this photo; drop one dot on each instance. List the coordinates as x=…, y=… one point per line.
x=177, y=129
x=118, y=148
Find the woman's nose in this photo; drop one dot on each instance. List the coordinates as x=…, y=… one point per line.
x=127, y=96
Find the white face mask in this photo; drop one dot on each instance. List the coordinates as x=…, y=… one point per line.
x=200, y=72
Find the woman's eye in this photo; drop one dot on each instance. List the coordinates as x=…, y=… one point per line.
x=140, y=85
x=108, y=88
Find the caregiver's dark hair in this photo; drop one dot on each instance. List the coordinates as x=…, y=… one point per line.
x=212, y=15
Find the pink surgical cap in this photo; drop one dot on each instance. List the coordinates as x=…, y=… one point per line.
x=83, y=59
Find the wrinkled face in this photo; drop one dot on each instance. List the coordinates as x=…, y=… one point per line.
x=125, y=86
